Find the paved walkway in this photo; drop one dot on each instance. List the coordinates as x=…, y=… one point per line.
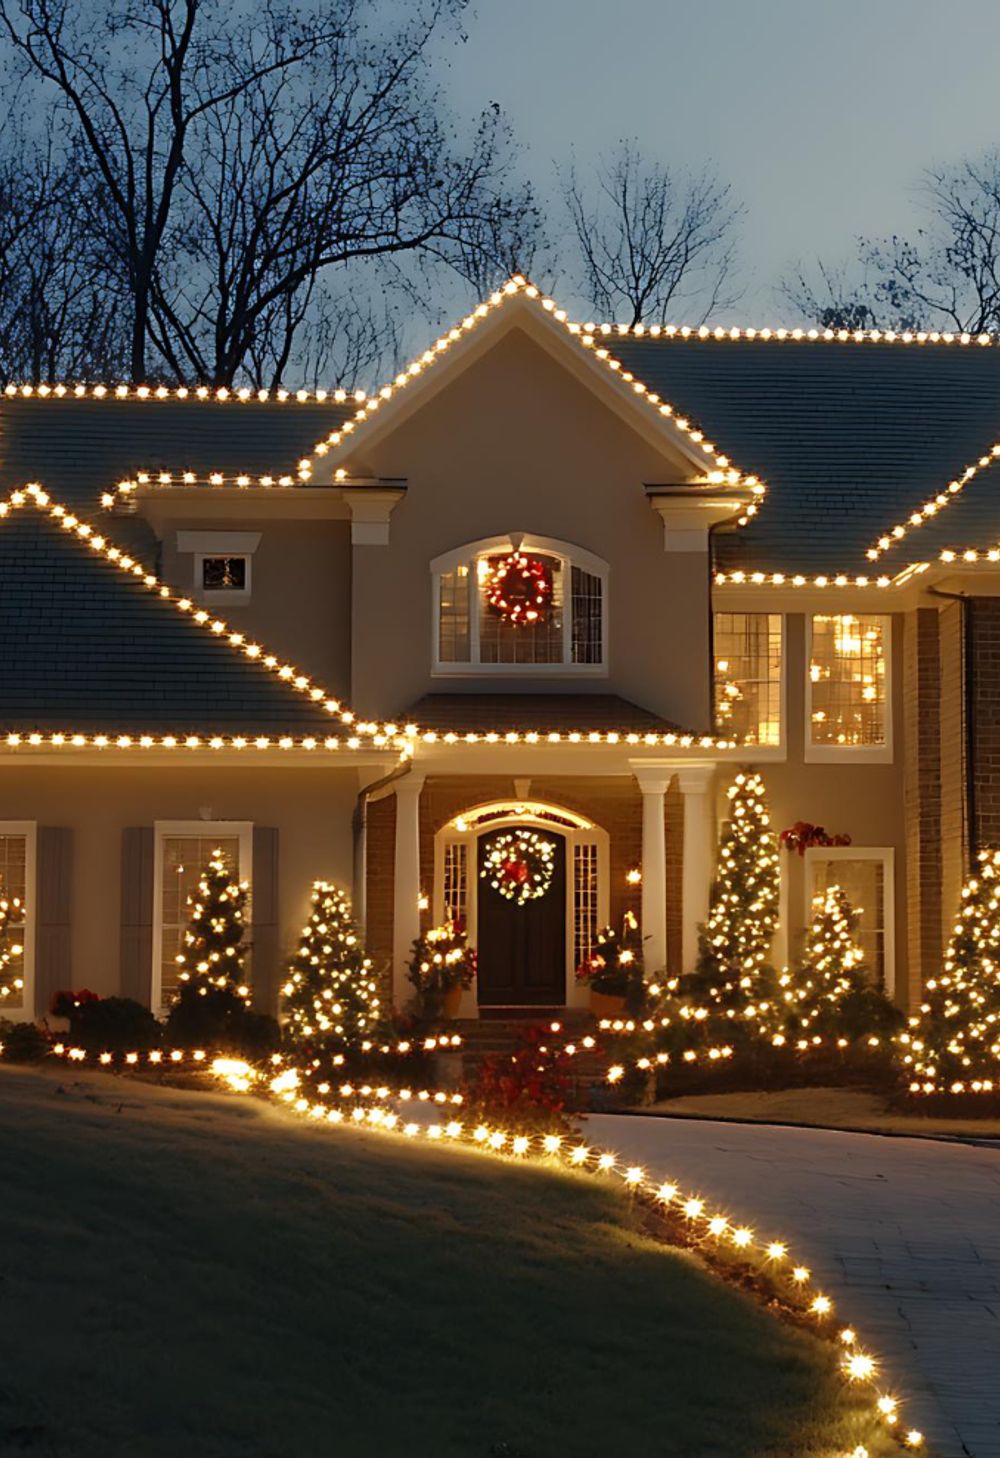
x=906, y=1232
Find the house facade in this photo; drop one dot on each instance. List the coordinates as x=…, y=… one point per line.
x=556, y=582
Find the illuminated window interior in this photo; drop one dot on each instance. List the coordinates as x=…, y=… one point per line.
x=748, y=676
x=184, y=858
x=569, y=632
x=847, y=680
x=862, y=881
x=13, y=883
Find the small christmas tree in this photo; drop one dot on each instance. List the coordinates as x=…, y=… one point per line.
x=954, y=1039
x=832, y=995
x=11, y=950
x=213, y=992
x=330, y=996
x=732, y=973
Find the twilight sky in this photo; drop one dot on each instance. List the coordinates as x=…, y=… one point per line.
x=821, y=113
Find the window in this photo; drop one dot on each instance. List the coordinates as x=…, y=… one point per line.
x=570, y=635
x=865, y=876
x=17, y=879
x=225, y=574
x=183, y=850
x=456, y=882
x=585, y=898
x=748, y=685
x=848, y=682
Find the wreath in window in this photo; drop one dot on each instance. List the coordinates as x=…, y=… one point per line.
x=519, y=865
x=519, y=588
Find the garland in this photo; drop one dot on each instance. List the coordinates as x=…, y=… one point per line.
x=519, y=864
x=519, y=588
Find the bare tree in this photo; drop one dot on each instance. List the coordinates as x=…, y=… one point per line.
x=242, y=150
x=652, y=239
x=946, y=277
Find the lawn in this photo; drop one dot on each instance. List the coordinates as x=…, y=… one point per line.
x=194, y=1274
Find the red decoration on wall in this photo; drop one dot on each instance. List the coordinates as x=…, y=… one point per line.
x=519, y=588
x=800, y=836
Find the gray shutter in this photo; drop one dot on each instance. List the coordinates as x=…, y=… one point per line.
x=136, y=959
x=53, y=888
x=264, y=914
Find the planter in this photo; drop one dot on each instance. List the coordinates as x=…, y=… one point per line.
x=451, y=1002
x=606, y=1004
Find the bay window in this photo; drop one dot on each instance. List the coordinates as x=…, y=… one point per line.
x=748, y=676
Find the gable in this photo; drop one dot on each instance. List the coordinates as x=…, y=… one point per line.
x=90, y=644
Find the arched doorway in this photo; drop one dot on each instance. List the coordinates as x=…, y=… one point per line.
x=528, y=953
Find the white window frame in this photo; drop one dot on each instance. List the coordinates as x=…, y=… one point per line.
x=29, y=829
x=887, y=855
x=854, y=753
x=220, y=544
x=571, y=556
x=164, y=830
x=762, y=751
x=582, y=832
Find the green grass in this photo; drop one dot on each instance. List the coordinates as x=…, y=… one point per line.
x=198, y=1275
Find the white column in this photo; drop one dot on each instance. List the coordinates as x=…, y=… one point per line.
x=653, y=781
x=406, y=883
x=697, y=784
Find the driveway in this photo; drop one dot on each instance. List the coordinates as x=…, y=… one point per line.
x=905, y=1233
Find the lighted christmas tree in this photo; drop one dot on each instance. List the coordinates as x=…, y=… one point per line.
x=832, y=995
x=11, y=950
x=732, y=977
x=953, y=1041
x=330, y=996
x=213, y=992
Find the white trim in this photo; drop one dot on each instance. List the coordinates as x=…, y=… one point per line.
x=243, y=830
x=524, y=815
x=887, y=855
x=752, y=752
x=850, y=753
x=29, y=829
x=570, y=556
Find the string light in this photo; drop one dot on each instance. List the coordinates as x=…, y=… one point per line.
x=745, y=577
x=932, y=507
x=797, y=335
x=221, y=394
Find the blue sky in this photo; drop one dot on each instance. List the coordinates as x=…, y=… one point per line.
x=821, y=113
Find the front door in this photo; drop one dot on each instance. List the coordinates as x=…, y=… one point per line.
x=522, y=948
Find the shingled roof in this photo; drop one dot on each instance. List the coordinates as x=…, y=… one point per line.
x=478, y=713
x=849, y=437
x=85, y=647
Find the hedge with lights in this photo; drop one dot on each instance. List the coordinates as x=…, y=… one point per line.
x=952, y=1044
x=329, y=1000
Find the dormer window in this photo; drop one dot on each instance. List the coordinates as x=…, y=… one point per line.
x=520, y=605
x=225, y=574
x=223, y=565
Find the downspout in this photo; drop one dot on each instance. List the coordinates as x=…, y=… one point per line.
x=968, y=709
x=359, y=826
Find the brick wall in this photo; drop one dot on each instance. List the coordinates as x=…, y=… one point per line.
x=954, y=839
x=984, y=670
x=922, y=794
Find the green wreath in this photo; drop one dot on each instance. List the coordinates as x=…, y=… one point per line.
x=519, y=864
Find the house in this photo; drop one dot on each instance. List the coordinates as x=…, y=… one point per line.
x=556, y=581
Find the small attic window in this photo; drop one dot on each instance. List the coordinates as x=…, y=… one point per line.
x=225, y=574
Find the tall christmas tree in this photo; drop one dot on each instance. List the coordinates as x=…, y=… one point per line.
x=213, y=992
x=330, y=997
x=732, y=975
x=831, y=994
x=954, y=1039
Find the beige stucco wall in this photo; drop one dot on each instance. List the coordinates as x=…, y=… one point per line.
x=300, y=602
x=310, y=807
x=517, y=444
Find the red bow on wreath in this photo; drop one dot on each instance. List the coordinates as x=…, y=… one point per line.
x=519, y=588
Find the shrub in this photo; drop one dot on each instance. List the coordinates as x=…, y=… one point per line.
x=442, y=960
x=112, y=1025
x=23, y=1042
x=615, y=965
x=527, y=1089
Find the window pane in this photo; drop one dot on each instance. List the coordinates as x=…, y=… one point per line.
x=847, y=672
x=13, y=863
x=224, y=574
x=501, y=641
x=453, y=616
x=587, y=617
x=748, y=676
x=863, y=883
x=584, y=902
x=184, y=859
x=456, y=893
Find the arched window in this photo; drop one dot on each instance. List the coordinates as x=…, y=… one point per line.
x=570, y=637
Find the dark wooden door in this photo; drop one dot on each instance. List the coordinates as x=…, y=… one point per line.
x=522, y=949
